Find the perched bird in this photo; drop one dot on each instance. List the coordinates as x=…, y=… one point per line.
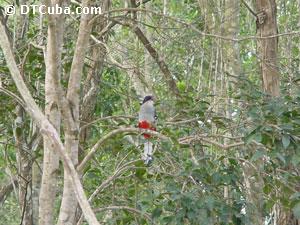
x=147, y=119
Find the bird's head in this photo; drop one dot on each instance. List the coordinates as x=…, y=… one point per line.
x=148, y=98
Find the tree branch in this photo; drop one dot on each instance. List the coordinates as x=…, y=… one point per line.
x=187, y=140
x=13, y=95
x=249, y=8
x=154, y=54
x=93, y=150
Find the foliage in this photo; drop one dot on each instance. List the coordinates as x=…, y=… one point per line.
x=195, y=177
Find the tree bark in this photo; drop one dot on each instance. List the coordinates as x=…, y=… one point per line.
x=148, y=60
x=24, y=160
x=91, y=85
x=267, y=48
x=231, y=51
x=67, y=215
x=52, y=111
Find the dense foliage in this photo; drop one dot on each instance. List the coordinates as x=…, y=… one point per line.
x=233, y=152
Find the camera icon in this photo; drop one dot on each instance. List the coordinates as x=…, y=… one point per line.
x=9, y=10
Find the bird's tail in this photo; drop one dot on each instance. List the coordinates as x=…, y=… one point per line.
x=147, y=155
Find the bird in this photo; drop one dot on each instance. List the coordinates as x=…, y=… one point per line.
x=147, y=120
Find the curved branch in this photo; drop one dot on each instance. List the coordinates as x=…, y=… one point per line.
x=82, y=165
x=14, y=96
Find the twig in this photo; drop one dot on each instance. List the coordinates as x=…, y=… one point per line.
x=249, y=8
x=157, y=58
x=14, y=96
x=24, y=203
x=109, y=53
x=182, y=121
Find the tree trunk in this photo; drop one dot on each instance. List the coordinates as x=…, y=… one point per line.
x=231, y=51
x=24, y=168
x=148, y=60
x=24, y=152
x=231, y=62
x=71, y=130
x=52, y=111
x=267, y=48
x=91, y=85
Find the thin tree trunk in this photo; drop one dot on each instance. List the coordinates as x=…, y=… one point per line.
x=253, y=185
x=231, y=62
x=24, y=153
x=268, y=47
x=24, y=168
x=148, y=60
x=67, y=215
x=91, y=85
x=52, y=111
x=36, y=187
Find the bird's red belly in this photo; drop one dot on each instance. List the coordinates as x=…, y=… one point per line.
x=146, y=125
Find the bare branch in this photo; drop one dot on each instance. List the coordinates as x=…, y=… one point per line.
x=182, y=121
x=159, y=60
x=14, y=96
x=187, y=140
x=249, y=8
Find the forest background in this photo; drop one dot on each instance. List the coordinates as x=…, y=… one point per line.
x=225, y=75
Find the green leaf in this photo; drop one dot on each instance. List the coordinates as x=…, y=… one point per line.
x=267, y=189
x=296, y=210
x=285, y=141
x=254, y=135
x=181, y=86
x=140, y=173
